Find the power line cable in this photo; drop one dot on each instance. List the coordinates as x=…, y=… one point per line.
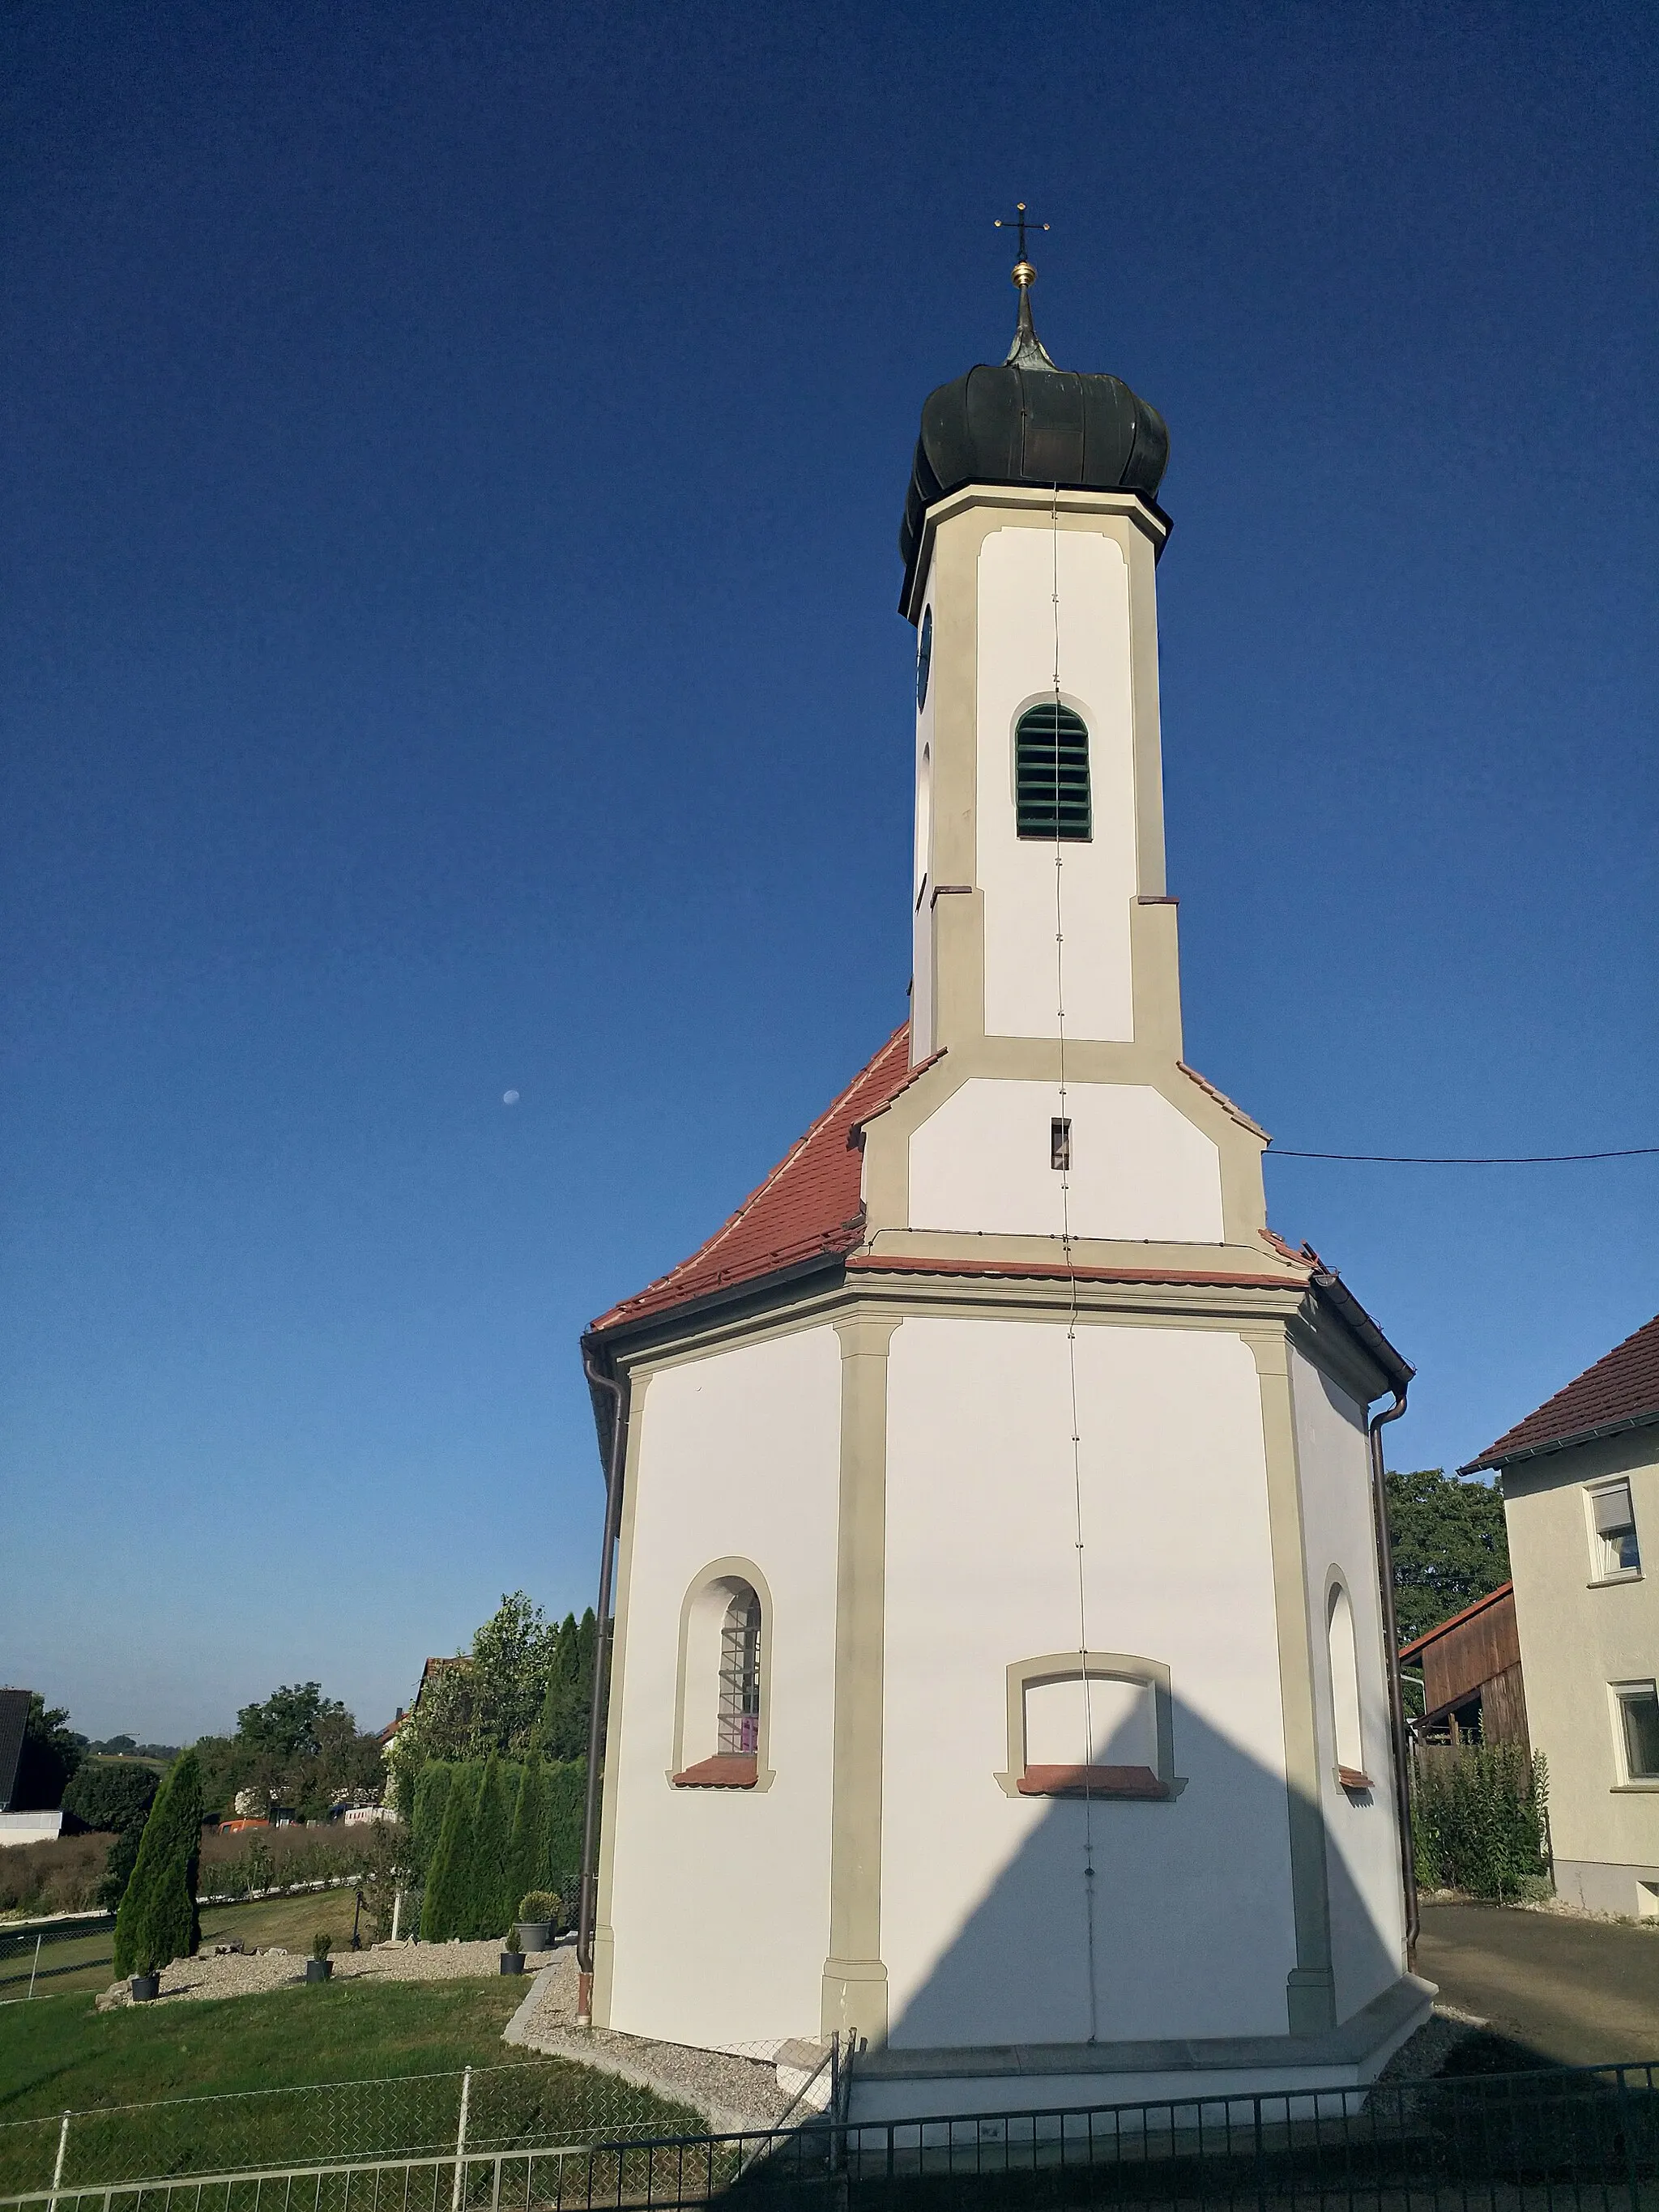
x=1466, y=1159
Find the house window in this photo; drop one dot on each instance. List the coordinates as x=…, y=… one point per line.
x=1051, y=773
x=739, y=1681
x=1638, y=1715
x=1613, y=1519
x=1345, y=1690
x=1060, y=1143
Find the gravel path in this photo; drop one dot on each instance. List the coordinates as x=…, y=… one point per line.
x=243, y=1974
x=732, y=2093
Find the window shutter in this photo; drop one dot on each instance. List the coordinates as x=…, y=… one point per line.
x=1051, y=774
x=1613, y=1515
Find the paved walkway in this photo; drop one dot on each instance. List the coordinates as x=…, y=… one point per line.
x=1579, y=1992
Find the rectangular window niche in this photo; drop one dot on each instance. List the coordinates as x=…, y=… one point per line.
x=1097, y=1724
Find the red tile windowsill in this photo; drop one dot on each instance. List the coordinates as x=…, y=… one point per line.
x=1090, y=1782
x=727, y=1771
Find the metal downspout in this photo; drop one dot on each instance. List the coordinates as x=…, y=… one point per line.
x=588, y=1901
x=1401, y=1742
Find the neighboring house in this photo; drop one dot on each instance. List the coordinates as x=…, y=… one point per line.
x=15, y=1827
x=1472, y=1686
x=1581, y=1496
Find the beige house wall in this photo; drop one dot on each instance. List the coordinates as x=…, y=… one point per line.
x=1580, y=1634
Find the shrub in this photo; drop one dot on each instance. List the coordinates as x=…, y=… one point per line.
x=541, y=1904
x=561, y=1836
x=60, y=1874
x=157, y=1921
x=113, y=1795
x=426, y=1810
x=321, y=1944
x=1479, y=1821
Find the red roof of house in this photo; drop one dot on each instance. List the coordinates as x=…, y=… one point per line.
x=810, y=1203
x=1419, y=1643
x=1620, y=1391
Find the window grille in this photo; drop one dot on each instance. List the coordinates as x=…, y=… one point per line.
x=739, y=1714
x=1051, y=774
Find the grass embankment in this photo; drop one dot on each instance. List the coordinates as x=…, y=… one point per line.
x=290, y=1922
x=63, y=2057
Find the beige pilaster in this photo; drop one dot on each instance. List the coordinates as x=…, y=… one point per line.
x=604, y=1941
x=855, y=1979
x=1310, y=1993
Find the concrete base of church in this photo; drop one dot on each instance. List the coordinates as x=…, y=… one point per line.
x=911, y=2085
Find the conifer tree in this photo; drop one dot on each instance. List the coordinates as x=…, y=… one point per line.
x=449, y=1877
x=525, y=1869
x=157, y=1921
x=488, y=1909
x=426, y=1819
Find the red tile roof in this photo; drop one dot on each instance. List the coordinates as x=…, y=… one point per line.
x=810, y=1203
x=1620, y=1391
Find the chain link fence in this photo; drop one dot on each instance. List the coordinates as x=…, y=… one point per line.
x=31, y=1956
x=1558, y=2140
x=486, y=2109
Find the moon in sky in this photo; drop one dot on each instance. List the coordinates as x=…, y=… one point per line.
x=509, y=1098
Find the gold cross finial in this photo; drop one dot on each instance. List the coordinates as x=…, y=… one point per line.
x=1025, y=275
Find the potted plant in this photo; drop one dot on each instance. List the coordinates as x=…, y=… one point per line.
x=146, y=1983
x=512, y=1952
x=538, y=1919
x=320, y=1966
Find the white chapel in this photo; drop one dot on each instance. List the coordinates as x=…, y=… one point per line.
x=999, y=1672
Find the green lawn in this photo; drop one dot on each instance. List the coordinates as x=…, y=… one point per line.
x=380, y=2038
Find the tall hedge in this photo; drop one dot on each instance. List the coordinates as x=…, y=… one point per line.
x=523, y=1852
x=505, y=1828
x=426, y=1812
x=446, y=1907
x=157, y=1921
x=488, y=1908
x=561, y=1832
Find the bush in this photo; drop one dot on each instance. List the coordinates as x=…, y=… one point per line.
x=60, y=1874
x=321, y=1944
x=426, y=1811
x=157, y=1921
x=541, y=1904
x=446, y=1904
x=493, y=1892
x=561, y=1836
x=524, y=1855
x=113, y=1795
x=1479, y=1821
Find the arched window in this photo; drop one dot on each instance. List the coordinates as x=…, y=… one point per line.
x=1051, y=774
x=1345, y=1690
x=721, y=1722
x=740, y=1680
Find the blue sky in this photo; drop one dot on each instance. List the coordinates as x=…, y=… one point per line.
x=452, y=461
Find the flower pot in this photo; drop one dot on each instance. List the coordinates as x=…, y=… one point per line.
x=318, y=1970
x=145, y=1987
x=513, y=1962
x=535, y=1934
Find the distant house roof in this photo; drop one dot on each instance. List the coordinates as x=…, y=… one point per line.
x=1418, y=1644
x=1621, y=1391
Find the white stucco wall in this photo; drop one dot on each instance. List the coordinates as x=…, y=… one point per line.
x=1362, y=1854
x=720, y=1899
x=1139, y=1169
x=983, y=1924
x=1016, y=668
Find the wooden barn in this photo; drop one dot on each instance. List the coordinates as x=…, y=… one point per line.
x=1471, y=1666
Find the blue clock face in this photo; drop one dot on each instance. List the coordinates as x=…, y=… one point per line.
x=924, y=658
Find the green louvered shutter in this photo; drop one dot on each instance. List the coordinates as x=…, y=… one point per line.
x=1051, y=774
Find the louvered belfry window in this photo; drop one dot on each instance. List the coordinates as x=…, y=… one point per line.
x=1051, y=773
